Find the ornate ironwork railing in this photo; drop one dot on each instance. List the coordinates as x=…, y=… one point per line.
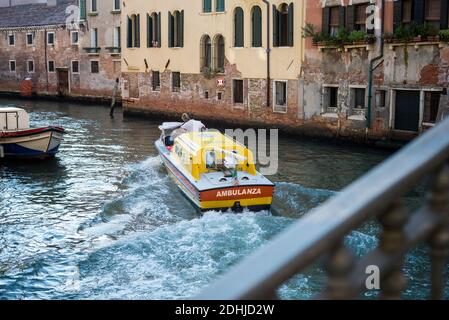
x=377, y=195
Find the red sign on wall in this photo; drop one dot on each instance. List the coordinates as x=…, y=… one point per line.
x=221, y=82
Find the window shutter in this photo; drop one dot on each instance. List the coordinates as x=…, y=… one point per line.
x=159, y=32
x=181, y=29
x=238, y=28
x=149, y=31
x=326, y=17
x=350, y=17
x=275, y=27
x=82, y=9
x=444, y=13
x=170, y=30
x=418, y=11
x=207, y=5
x=129, y=42
x=138, y=31
x=220, y=5
x=342, y=17
x=397, y=13
x=257, y=27
x=291, y=25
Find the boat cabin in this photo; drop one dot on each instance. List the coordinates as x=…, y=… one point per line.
x=211, y=151
x=13, y=119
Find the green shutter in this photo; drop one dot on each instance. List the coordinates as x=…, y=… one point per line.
x=181, y=29
x=350, y=17
x=291, y=25
x=257, y=27
x=149, y=31
x=220, y=6
x=342, y=17
x=238, y=28
x=444, y=15
x=275, y=26
x=207, y=5
x=418, y=11
x=170, y=30
x=138, y=31
x=129, y=42
x=82, y=9
x=159, y=32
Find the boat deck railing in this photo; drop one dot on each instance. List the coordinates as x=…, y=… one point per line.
x=318, y=237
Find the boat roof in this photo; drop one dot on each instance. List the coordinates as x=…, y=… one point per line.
x=170, y=125
x=11, y=109
x=207, y=139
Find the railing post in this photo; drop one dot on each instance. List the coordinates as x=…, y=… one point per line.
x=439, y=241
x=392, y=241
x=339, y=265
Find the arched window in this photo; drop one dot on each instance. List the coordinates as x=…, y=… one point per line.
x=133, y=39
x=206, y=53
x=219, y=53
x=283, y=24
x=256, y=26
x=176, y=29
x=239, y=32
x=220, y=6
x=207, y=6
x=154, y=30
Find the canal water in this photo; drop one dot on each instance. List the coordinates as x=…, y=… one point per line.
x=104, y=221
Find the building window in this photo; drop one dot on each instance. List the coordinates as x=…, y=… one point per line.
x=156, y=81
x=330, y=99
x=94, y=38
x=94, y=6
x=206, y=94
x=219, y=95
x=117, y=66
x=206, y=53
x=134, y=31
x=358, y=98
x=30, y=66
x=51, y=38
x=82, y=4
x=51, y=66
x=256, y=27
x=237, y=89
x=94, y=66
x=30, y=39
x=280, y=96
x=74, y=37
x=176, y=29
x=75, y=66
x=117, y=5
x=406, y=11
x=11, y=40
x=219, y=51
x=207, y=6
x=334, y=20
x=12, y=65
x=283, y=25
x=116, y=37
x=431, y=106
x=176, y=81
x=239, y=32
x=360, y=17
x=220, y=6
x=432, y=12
x=154, y=30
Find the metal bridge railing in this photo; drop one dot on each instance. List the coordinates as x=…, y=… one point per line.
x=320, y=234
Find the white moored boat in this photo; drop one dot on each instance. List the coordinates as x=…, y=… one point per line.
x=18, y=140
x=214, y=171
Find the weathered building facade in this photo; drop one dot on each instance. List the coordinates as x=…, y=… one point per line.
x=217, y=59
x=39, y=43
x=406, y=56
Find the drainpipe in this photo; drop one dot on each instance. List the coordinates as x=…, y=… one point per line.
x=46, y=58
x=268, y=54
x=372, y=68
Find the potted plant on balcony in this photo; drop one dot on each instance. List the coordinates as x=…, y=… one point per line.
x=357, y=37
x=444, y=35
x=403, y=34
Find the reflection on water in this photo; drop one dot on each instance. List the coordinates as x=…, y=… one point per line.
x=104, y=221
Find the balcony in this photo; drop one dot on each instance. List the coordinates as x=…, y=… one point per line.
x=318, y=237
x=92, y=50
x=114, y=51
